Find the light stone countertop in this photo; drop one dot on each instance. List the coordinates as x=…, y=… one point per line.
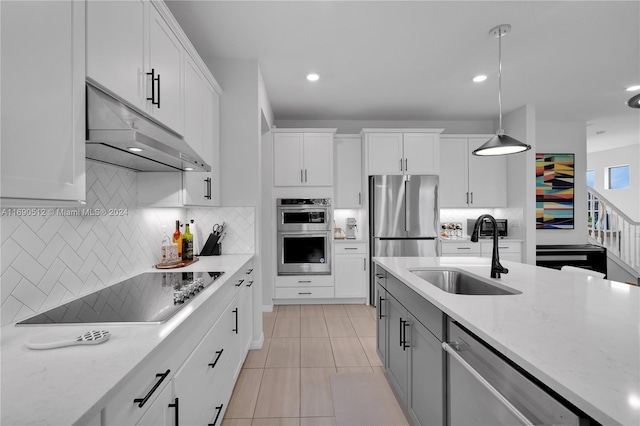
x=579, y=335
x=62, y=386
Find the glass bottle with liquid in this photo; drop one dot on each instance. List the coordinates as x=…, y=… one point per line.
x=187, y=243
x=177, y=238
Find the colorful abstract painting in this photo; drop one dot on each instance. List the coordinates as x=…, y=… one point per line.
x=554, y=191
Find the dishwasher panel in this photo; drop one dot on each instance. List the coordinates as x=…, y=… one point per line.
x=484, y=389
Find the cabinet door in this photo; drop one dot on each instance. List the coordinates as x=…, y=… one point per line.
x=163, y=410
x=202, y=374
x=348, y=171
x=287, y=159
x=397, y=355
x=351, y=272
x=381, y=323
x=234, y=315
x=116, y=37
x=487, y=178
x=421, y=153
x=43, y=99
x=194, y=91
x=318, y=159
x=165, y=58
x=385, y=153
x=246, y=317
x=426, y=383
x=454, y=172
x=211, y=141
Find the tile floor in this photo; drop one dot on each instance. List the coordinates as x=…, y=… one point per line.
x=288, y=381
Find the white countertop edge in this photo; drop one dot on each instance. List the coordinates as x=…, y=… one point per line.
x=32, y=405
x=603, y=411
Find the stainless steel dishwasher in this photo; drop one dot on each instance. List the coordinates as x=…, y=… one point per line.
x=485, y=389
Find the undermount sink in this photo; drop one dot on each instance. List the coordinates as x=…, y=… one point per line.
x=457, y=282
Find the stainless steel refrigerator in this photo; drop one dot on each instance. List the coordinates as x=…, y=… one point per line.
x=403, y=217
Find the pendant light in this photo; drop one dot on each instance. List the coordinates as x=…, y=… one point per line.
x=634, y=102
x=501, y=144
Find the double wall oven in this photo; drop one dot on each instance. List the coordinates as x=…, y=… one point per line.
x=304, y=236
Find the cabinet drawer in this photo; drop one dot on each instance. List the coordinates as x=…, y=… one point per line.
x=305, y=281
x=346, y=248
x=122, y=409
x=465, y=249
x=304, y=292
x=503, y=247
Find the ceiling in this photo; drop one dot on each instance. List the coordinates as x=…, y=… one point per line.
x=414, y=60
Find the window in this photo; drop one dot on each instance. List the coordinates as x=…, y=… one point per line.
x=590, y=179
x=617, y=177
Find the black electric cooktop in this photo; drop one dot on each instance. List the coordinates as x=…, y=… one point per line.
x=152, y=297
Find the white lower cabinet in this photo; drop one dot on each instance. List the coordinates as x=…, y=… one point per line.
x=350, y=269
x=190, y=380
x=164, y=411
x=304, y=287
x=507, y=249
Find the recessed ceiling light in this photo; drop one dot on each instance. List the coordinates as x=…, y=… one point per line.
x=479, y=78
x=633, y=88
x=188, y=169
x=134, y=149
x=313, y=77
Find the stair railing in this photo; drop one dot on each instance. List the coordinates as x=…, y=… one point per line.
x=613, y=229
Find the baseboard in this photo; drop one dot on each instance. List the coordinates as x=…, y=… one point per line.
x=326, y=301
x=267, y=308
x=257, y=344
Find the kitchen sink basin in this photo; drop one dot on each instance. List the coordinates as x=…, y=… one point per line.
x=457, y=282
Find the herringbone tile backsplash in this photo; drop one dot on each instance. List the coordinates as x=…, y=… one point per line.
x=52, y=259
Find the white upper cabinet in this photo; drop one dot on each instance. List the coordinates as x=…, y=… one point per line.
x=133, y=52
x=43, y=105
x=467, y=180
x=303, y=158
x=165, y=65
x=203, y=188
x=194, y=93
x=348, y=171
x=421, y=153
x=117, y=34
x=398, y=152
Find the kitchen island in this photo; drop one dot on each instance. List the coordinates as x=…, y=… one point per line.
x=73, y=385
x=578, y=335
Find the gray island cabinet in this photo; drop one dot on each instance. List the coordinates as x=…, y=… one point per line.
x=409, y=338
x=529, y=354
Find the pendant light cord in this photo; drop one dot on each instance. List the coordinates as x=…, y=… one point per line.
x=500, y=79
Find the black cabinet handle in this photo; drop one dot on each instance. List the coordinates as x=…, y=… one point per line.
x=249, y=271
x=207, y=188
x=154, y=79
x=142, y=401
x=177, y=414
x=239, y=283
x=404, y=337
x=380, y=299
x=235, y=311
x=250, y=283
x=219, y=353
x=158, y=104
x=304, y=292
x=219, y=410
x=401, y=331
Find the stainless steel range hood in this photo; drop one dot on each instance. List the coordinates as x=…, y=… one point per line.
x=115, y=127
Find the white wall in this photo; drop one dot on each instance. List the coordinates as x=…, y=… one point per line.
x=355, y=126
x=567, y=138
x=628, y=200
x=520, y=124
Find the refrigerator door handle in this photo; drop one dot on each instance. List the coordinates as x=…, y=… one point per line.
x=407, y=206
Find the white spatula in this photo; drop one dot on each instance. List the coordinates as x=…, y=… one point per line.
x=92, y=337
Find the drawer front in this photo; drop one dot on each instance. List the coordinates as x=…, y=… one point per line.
x=345, y=248
x=503, y=247
x=121, y=409
x=305, y=281
x=304, y=293
x=464, y=249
